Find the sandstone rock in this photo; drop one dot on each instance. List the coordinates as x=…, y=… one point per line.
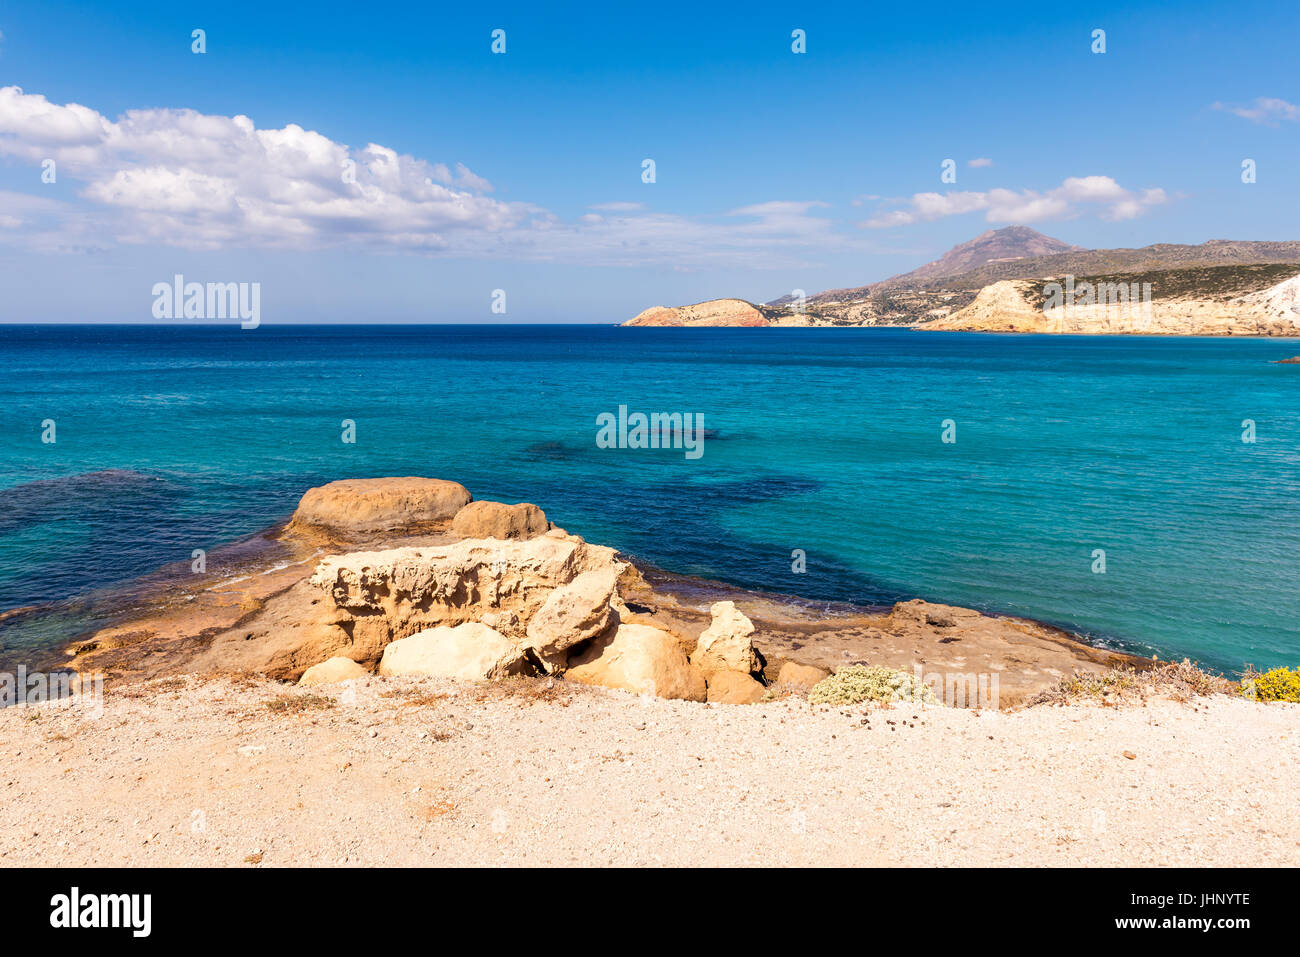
x=800, y=676
x=334, y=670
x=372, y=598
x=498, y=520
x=926, y=616
x=734, y=687
x=572, y=614
x=725, y=644
x=469, y=652
x=640, y=659
x=380, y=504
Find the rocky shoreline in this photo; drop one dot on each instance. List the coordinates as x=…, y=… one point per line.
x=309, y=705
x=412, y=576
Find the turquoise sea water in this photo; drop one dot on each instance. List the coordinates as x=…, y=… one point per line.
x=172, y=438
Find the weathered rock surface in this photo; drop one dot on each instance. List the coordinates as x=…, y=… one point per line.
x=640, y=659
x=468, y=652
x=800, y=676
x=572, y=614
x=334, y=670
x=356, y=603
x=380, y=504
x=725, y=644
x=499, y=520
x=734, y=687
x=918, y=614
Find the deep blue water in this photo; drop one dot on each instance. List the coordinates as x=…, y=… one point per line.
x=826, y=440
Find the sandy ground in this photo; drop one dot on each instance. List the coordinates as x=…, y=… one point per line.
x=420, y=771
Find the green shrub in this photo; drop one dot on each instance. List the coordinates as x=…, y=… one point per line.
x=859, y=683
x=1279, y=684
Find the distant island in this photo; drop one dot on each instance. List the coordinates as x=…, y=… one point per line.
x=1016, y=279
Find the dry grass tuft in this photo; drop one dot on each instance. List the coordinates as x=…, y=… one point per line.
x=526, y=691
x=297, y=704
x=1181, y=681
x=415, y=697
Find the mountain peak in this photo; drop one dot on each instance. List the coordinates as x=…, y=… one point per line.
x=994, y=245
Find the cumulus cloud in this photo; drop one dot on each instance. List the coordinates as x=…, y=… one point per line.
x=1267, y=110
x=182, y=178
x=979, y=161
x=1075, y=195
x=197, y=180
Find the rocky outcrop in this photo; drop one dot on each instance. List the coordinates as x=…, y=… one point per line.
x=364, y=506
x=715, y=312
x=572, y=614
x=372, y=598
x=330, y=672
x=641, y=659
x=468, y=652
x=498, y=520
x=725, y=644
x=917, y=614
x=544, y=604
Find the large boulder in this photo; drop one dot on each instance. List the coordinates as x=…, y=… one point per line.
x=380, y=505
x=641, y=659
x=372, y=598
x=332, y=671
x=354, y=604
x=734, y=687
x=572, y=614
x=725, y=645
x=469, y=652
x=499, y=520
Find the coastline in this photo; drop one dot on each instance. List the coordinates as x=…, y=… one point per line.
x=182, y=763
x=167, y=622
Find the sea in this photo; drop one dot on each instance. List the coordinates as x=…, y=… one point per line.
x=1143, y=493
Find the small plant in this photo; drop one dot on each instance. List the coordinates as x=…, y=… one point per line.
x=859, y=683
x=1276, y=684
x=1181, y=680
x=300, y=703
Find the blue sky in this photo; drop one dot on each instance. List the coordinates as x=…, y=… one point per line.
x=523, y=171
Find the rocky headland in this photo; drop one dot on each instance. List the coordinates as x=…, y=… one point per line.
x=1001, y=281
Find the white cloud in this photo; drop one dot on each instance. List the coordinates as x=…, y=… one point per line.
x=1265, y=109
x=196, y=180
x=1070, y=199
x=177, y=177
x=979, y=161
